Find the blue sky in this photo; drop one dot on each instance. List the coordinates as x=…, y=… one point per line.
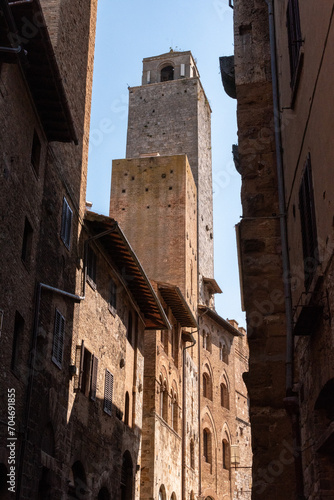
x=126, y=33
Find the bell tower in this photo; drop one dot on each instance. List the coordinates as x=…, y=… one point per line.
x=169, y=114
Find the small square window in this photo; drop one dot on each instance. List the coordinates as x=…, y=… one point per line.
x=36, y=152
x=58, y=339
x=66, y=224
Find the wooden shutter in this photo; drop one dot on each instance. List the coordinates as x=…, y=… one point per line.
x=58, y=339
x=81, y=367
x=108, y=392
x=93, y=383
x=294, y=36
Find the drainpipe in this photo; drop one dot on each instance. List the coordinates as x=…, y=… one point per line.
x=77, y=298
x=291, y=401
x=184, y=430
x=282, y=205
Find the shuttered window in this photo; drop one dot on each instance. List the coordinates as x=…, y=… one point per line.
x=58, y=339
x=108, y=392
x=88, y=370
x=66, y=224
x=308, y=225
x=294, y=37
x=93, y=383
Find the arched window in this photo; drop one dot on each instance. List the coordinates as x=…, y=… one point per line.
x=173, y=496
x=129, y=332
x=223, y=352
x=126, y=477
x=192, y=454
x=224, y=396
x=167, y=73
x=226, y=455
x=192, y=495
x=163, y=399
x=78, y=484
x=174, y=410
x=207, y=341
x=162, y=493
x=207, y=386
x=127, y=408
x=207, y=445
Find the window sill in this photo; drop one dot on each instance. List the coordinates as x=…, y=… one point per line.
x=112, y=310
x=91, y=283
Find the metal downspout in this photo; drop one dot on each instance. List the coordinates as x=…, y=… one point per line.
x=281, y=200
x=40, y=286
x=291, y=401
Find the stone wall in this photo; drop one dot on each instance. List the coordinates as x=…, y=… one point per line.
x=160, y=194
x=261, y=267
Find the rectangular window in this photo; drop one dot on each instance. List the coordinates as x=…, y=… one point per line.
x=308, y=225
x=87, y=372
x=18, y=333
x=108, y=392
x=294, y=37
x=27, y=242
x=36, y=152
x=113, y=295
x=66, y=224
x=58, y=339
x=91, y=266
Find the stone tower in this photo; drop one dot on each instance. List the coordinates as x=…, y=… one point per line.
x=169, y=114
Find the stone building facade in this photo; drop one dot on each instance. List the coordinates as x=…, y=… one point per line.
x=283, y=73
x=164, y=184
x=100, y=353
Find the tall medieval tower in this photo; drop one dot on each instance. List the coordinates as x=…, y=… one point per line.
x=161, y=195
x=169, y=114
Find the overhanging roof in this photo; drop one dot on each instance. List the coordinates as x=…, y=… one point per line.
x=39, y=67
x=219, y=320
x=212, y=283
x=172, y=295
x=117, y=246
